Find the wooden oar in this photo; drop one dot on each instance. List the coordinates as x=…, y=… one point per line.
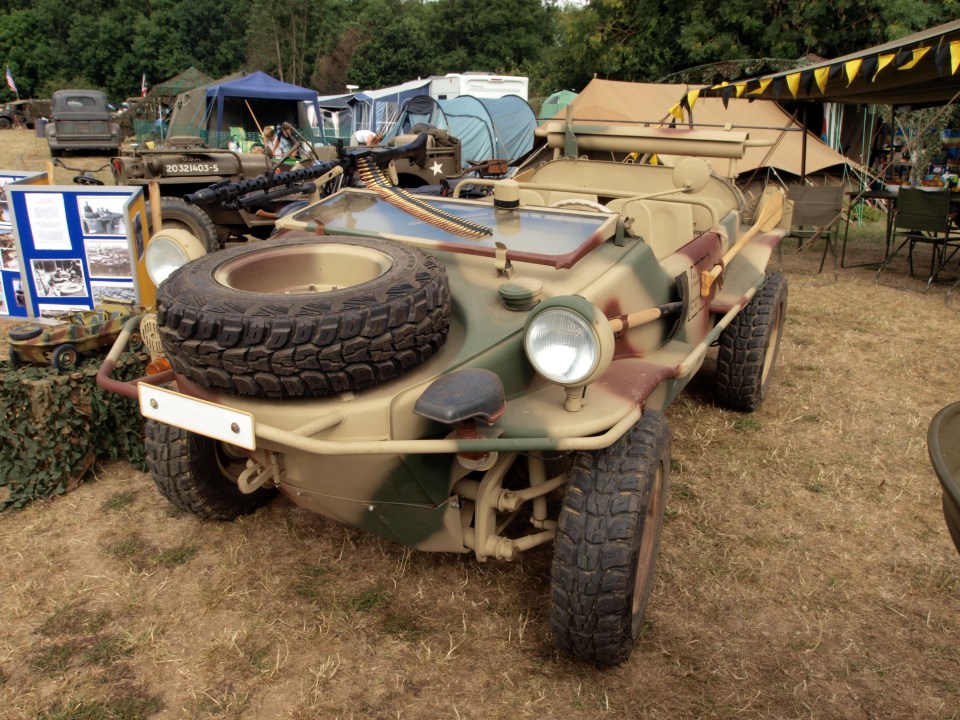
x=768, y=216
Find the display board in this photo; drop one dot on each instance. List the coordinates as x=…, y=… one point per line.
x=76, y=245
x=12, y=301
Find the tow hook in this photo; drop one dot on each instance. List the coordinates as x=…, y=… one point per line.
x=255, y=476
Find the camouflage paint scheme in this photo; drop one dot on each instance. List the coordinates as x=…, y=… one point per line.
x=368, y=460
x=85, y=330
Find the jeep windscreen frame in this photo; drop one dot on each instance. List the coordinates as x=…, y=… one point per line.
x=558, y=238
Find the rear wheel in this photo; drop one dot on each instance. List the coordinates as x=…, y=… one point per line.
x=199, y=474
x=749, y=347
x=607, y=540
x=178, y=213
x=4, y=123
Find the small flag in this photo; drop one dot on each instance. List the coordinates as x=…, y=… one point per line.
x=143, y=84
x=10, y=83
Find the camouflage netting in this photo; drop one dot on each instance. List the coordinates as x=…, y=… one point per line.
x=54, y=427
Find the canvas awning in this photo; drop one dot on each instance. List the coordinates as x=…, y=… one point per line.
x=919, y=70
x=613, y=101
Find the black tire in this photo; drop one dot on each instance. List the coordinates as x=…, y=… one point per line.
x=607, y=540
x=65, y=357
x=24, y=332
x=951, y=513
x=198, y=474
x=264, y=320
x=178, y=213
x=5, y=123
x=749, y=347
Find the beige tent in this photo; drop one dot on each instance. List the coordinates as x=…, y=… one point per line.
x=612, y=101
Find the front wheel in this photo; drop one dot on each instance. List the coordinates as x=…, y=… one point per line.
x=199, y=474
x=65, y=357
x=749, y=347
x=607, y=541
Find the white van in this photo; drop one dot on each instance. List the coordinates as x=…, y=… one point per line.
x=477, y=84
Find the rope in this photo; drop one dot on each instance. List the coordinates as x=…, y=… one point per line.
x=375, y=180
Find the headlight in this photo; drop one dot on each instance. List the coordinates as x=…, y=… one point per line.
x=169, y=249
x=569, y=341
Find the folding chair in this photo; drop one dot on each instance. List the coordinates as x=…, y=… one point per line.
x=816, y=214
x=923, y=218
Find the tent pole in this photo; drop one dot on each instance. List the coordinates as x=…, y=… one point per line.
x=803, y=151
x=255, y=121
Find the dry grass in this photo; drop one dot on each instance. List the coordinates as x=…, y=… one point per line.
x=805, y=571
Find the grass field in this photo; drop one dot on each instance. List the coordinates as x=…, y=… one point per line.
x=805, y=568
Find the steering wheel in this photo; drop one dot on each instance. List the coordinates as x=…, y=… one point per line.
x=591, y=204
x=87, y=180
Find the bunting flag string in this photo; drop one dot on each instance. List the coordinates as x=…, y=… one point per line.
x=851, y=68
x=940, y=56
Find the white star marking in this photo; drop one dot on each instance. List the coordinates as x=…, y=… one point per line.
x=436, y=168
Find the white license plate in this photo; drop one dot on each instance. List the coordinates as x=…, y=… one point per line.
x=199, y=416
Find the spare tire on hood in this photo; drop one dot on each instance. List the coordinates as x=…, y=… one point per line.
x=303, y=316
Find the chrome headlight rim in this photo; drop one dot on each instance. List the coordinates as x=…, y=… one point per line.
x=168, y=250
x=578, y=313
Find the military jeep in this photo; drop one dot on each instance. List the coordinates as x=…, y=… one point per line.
x=184, y=165
x=482, y=376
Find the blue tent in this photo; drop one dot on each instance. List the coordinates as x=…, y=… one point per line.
x=486, y=127
x=244, y=104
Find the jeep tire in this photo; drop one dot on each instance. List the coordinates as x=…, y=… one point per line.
x=606, y=547
x=303, y=316
x=198, y=474
x=178, y=213
x=749, y=347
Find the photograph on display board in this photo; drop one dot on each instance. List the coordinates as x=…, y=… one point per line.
x=4, y=210
x=4, y=310
x=102, y=214
x=53, y=312
x=8, y=251
x=116, y=290
x=59, y=278
x=18, y=299
x=107, y=258
x=138, y=236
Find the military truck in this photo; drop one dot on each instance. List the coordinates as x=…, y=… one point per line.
x=81, y=120
x=14, y=114
x=483, y=376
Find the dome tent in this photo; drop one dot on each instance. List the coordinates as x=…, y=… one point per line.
x=555, y=103
x=486, y=127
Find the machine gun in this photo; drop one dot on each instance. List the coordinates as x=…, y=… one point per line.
x=269, y=186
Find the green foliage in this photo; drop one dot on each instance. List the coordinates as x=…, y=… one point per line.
x=111, y=44
x=54, y=427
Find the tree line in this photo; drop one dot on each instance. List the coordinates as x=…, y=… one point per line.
x=327, y=44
